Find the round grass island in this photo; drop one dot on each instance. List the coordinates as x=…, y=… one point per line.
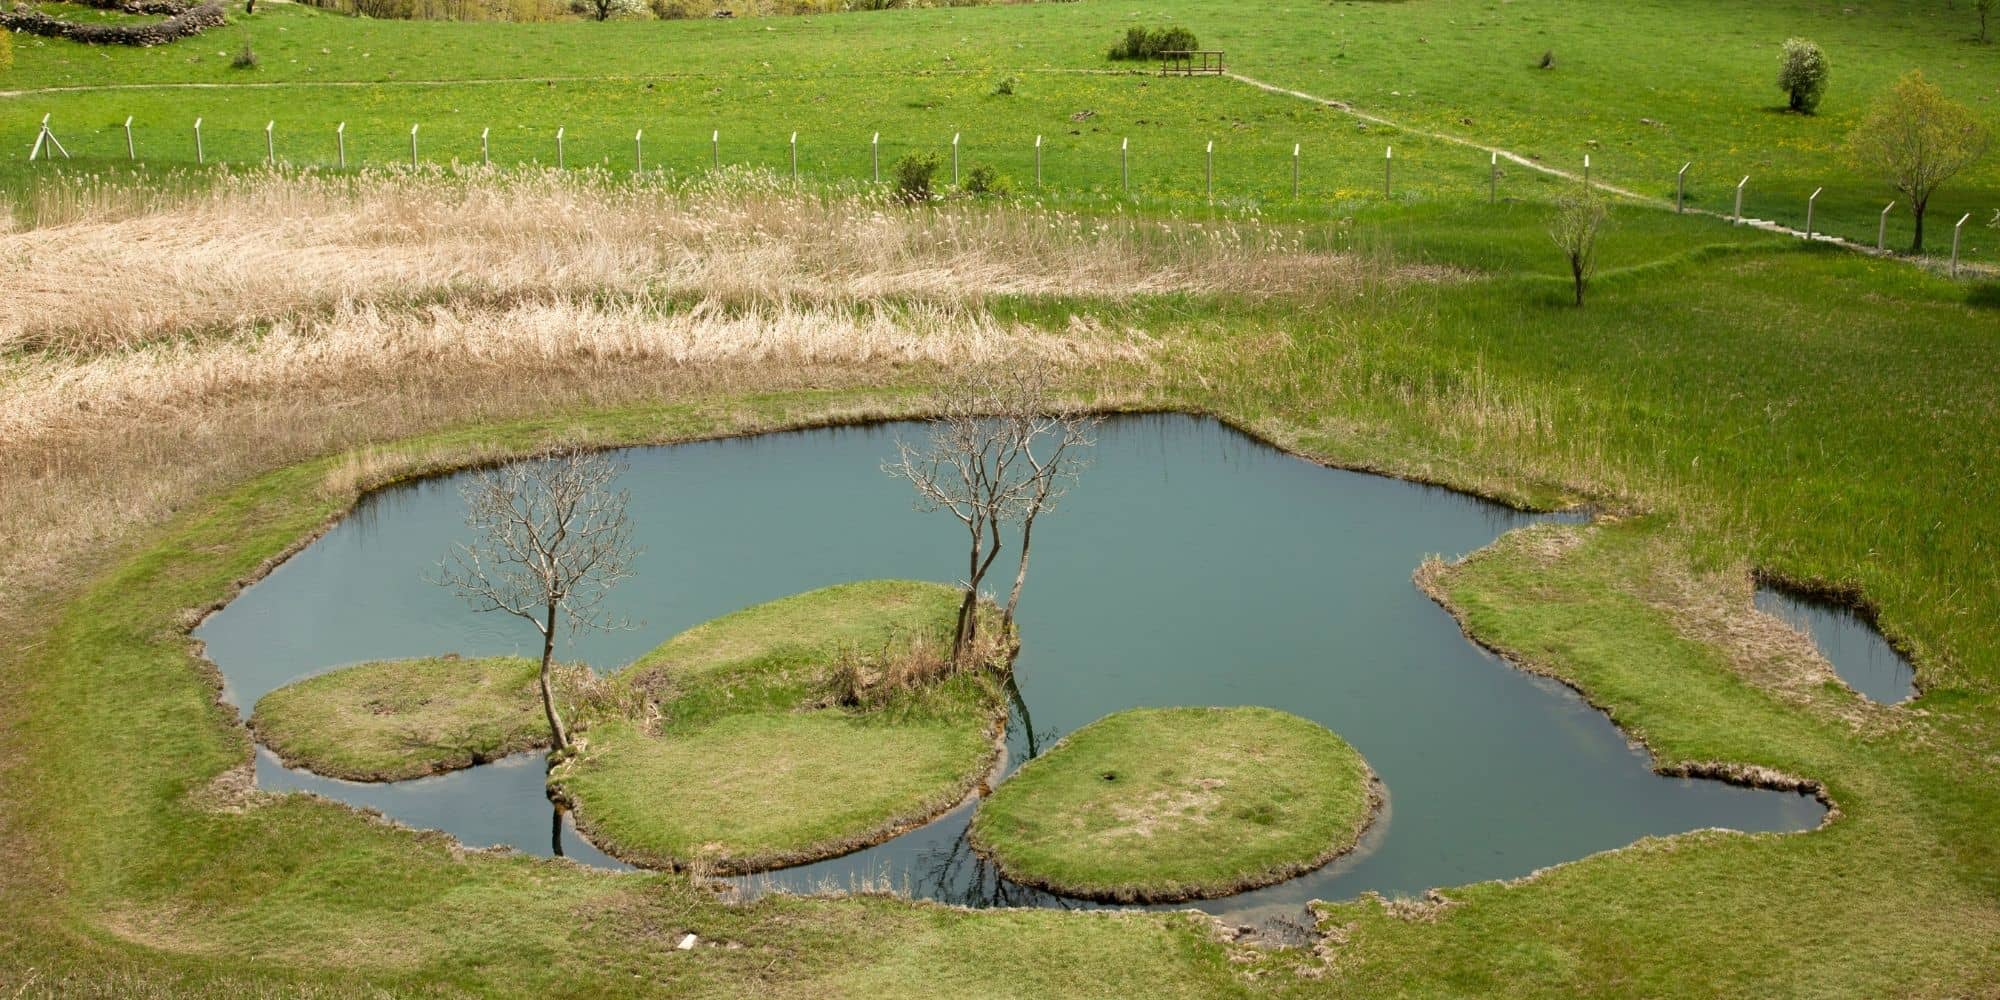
x=786, y=733
x=1167, y=804
x=389, y=720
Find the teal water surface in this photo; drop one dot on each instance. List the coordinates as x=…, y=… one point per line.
x=1854, y=646
x=1191, y=566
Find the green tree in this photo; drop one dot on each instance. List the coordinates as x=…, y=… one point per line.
x=1802, y=74
x=1574, y=228
x=1917, y=138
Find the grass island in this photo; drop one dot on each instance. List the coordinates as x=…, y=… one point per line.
x=1166, y=804
x=390, y=720
x=784, y=733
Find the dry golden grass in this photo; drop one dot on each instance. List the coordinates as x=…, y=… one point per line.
x=264, y=246
x=266, y=318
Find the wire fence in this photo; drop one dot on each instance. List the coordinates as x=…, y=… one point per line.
x=1235, y=171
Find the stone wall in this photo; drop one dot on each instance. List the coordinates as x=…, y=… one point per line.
x=188, y=23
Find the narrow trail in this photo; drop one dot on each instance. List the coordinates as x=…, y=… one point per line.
x=1515, y=158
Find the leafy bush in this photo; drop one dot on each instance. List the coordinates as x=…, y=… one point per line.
x=915, y=177
x=984, y=180
x=1802, y=74
x=1147, y=43
x=1005, y=88
x=246, y=59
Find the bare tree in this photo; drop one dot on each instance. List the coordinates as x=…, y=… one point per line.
x=1002, y=451
x=551, y=538
x=1579, y=216
x=1918, y=139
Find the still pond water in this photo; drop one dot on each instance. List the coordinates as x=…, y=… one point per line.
x=1192, y=566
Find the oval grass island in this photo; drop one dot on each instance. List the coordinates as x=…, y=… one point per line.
x=389, y=720
x=786, y=733
x=1161, y=805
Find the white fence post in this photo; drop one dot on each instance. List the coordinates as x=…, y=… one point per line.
x=1493, y=179
x=1038, y=161
x=1388, y=170
x=875, y=156
x=1882, y=228
x=46, y=140
x=715, y=150
x=1586, y=172
x=1295, y=170
x=1810, y=202
x=1211, y=171
x=639, y=152
x=560, y=129
x=1955, y=231
x=485, y=149
x=795, y=159
x=954, y=159
x=199, y=157
x=340, y=144
x=1738, y=217
x=131, y=151
x=1681, y=188
x=413, y=146
x=1125, y=163
x=270, y=144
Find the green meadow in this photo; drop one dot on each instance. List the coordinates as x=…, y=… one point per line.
x=1730, y=404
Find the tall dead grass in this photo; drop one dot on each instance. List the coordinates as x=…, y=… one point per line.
x=266, y=245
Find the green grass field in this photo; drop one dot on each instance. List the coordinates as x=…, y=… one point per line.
x=1701, y=74
x=1734, y=401
x=1159, y=805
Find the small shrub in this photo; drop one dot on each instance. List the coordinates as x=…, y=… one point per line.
x=1147, y=43
x=246, y=59
x=986, y=181
x=1802, y=75
x=916, y=177
x=1005, y=88
x=865, y=680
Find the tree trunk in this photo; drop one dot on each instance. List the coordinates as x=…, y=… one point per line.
x=968, y=621
x=968, y=625
x=1020, y=577
x=1576, y=275
x=556, y=730
x=1917, y=207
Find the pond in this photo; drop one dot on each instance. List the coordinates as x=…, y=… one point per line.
x=1856, y=649
x=1191, y=566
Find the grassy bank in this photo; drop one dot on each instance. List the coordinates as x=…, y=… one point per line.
x=398, y=719
x=733, y=749
x=1159, y=805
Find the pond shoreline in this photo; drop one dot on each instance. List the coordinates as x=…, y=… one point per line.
x=415, y=467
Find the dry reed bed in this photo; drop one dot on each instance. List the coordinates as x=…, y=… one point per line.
x=56, y=396
x=102, y=265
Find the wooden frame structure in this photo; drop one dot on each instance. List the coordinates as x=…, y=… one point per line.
x=1182, y=62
